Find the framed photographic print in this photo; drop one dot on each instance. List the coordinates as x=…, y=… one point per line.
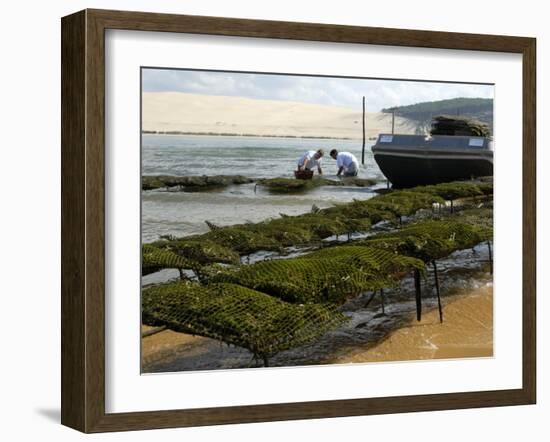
x=267, y=221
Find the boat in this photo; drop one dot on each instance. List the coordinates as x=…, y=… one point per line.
x=412, y=160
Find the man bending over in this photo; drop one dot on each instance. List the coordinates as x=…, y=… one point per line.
x=346, y=162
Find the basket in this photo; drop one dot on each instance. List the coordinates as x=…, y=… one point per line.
x=303, y=174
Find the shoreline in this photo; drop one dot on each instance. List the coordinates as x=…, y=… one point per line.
x=246, y=135
x=466, y=332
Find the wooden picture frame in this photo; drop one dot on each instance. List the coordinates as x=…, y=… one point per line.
x=83, y=220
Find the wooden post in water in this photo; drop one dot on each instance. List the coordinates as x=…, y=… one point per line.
x=437, y=291
x=363, y=154
x=393, y=122
x=418, y=293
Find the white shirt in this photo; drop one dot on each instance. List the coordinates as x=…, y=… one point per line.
x=345, y=160
x=313, y=162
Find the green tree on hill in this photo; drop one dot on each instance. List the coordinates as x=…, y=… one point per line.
x=477, y=108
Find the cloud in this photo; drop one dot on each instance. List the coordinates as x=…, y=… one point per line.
x=346, y=92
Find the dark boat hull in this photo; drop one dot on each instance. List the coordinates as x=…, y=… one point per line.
x=414, y=171
x=412, y=160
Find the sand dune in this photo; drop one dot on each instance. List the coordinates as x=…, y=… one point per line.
x=182, y=112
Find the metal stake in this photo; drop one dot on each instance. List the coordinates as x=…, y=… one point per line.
x=437, y=291
x=370, y=299
x=418, y=293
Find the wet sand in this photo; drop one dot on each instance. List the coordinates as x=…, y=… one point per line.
x=466, y=332
x=167, y=343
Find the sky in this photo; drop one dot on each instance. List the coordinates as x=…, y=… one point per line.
x=316, y=90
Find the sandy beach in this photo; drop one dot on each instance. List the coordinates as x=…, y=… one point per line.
x=195, y=113
x=167, y=343
x=466, y=332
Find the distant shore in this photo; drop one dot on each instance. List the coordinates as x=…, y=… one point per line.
x=223, y=134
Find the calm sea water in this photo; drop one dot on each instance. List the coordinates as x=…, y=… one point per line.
x=181, y=213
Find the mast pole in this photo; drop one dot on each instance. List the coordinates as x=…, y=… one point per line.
x=363, y=151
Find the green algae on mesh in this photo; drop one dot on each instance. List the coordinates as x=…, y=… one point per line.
x=479, y=216
x=237, y=315
x=454, y=190
x=310, y=228
x=239, y=305
x=243, y=239
x=151, y=182
x=288, y=231
x=358, y=182
x=403, y=203
x=332, y=275
x=291, y=185
x=486, y=187
x=203, y=251
x=154, y=259
x=387, y=207
x=433, y=239
x=192, y=183
x=358, y=210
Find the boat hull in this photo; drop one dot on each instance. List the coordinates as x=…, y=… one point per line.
x=414, y=171
x=408, y=161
